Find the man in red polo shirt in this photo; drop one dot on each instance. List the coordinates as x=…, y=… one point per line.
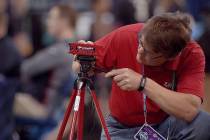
x=157, y=60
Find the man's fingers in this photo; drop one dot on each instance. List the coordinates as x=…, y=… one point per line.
x=119, y=78
x=121, y=83
x=90, y=42
x=75, y=56
x=82, y=41
x=85, y=42
x=112, y=73
x=75, y=66
x=109, y=74
x=115, y=72
x=125, y=87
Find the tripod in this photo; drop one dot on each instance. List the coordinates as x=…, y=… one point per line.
x=77, y=99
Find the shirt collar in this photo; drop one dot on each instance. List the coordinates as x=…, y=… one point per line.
x=173, y=63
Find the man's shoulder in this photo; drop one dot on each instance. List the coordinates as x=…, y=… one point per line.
x=127, y=32
x=189, y=55
x=193, y=48
x=131, y=28
x=192, y=56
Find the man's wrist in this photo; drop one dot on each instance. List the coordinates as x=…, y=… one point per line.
x=142, y=83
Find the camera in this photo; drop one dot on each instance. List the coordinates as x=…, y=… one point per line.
x=86, y=55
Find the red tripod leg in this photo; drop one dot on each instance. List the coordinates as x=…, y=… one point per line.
x=81, y=116
x=66, y=116
x=73, y=124
x=101, y=118
x=77, y=105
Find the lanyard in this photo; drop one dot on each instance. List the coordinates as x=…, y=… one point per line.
x=145, y=108
x=144, y=101
x=145, y=97
x=173, y=87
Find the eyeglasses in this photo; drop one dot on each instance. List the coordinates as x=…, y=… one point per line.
x=147, y=52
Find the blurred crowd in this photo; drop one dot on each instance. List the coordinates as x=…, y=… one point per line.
x=35, y=66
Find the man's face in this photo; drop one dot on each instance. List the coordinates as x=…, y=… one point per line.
x=147, y=56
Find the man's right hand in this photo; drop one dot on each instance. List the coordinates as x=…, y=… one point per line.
x=76, y=64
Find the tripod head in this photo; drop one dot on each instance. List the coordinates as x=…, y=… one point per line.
x=86, y=55
x=87, y=65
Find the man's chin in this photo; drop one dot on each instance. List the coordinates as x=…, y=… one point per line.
x=140, y=61
x=144, y=62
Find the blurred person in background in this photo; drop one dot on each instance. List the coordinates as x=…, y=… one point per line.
x=142, y=9
x=3, y=6
x=102, y=18
x=10, y=61
x=160, y=61
x=97, y=21
x=162, y=6
x=204, y=41
x=109, y=15
x=61, y=25
x=194, y=7
x=124, y=12
x=19, y=28
x=101, y=24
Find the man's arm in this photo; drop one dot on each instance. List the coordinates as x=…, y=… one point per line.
x=180, y=105
x=106, y=53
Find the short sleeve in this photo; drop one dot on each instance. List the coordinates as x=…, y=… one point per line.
x=191, y=76
x=107, y=53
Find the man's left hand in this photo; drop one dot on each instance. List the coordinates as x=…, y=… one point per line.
x=125, y=78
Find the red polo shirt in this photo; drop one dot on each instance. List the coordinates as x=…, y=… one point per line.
x=119, y=50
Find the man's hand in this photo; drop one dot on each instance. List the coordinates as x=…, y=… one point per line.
x=125, y=78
